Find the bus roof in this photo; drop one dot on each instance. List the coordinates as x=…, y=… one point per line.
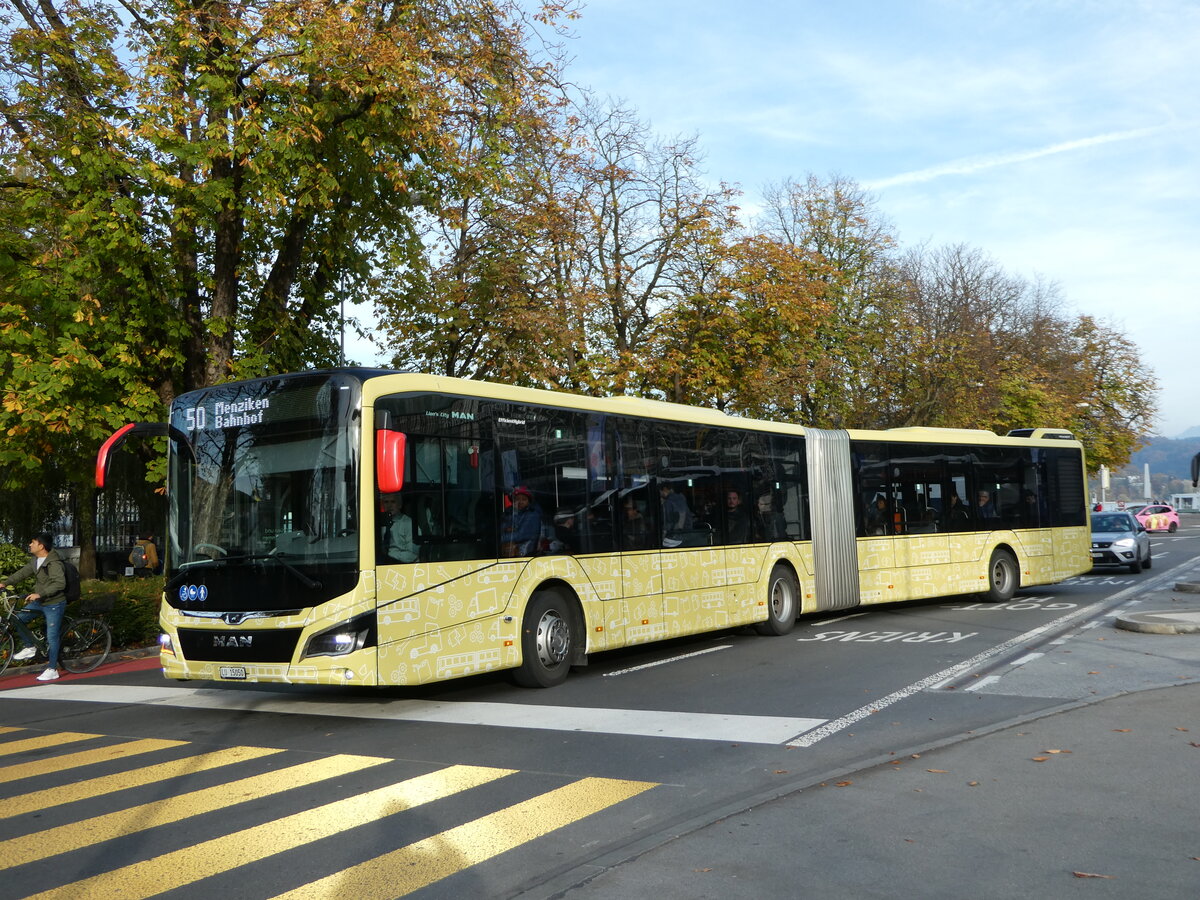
x=662, y=409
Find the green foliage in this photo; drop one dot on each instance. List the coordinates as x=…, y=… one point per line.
x=11, y=559
x=135, y=606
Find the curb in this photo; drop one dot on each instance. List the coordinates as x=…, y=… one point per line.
x=1163, y=622
x=114, y=656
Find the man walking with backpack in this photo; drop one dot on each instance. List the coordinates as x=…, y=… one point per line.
x=144, y=555
x=49, y=599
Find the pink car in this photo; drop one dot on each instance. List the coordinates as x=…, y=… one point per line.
x=1156, y=516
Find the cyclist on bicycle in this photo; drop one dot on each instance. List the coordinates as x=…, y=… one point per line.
x=49, y=599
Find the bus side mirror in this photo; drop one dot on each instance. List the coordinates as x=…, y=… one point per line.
x=389, y=460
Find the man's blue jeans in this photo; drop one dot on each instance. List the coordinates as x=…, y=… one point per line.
x=54, y=616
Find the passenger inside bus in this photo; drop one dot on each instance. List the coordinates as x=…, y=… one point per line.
x=737, y=521
x=635, y=533
x=522, y=525
x=877, y=516
x=396, y=532
x=769, y=524
x=957, y=518
x=566, y=532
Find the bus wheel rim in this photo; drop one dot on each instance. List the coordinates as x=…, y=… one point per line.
x=1000, y=575
x=553, y=638
x=781, y=597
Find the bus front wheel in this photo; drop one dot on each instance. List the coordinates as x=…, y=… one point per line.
x=1003, y=577
x=547, y=641
x=783, y=602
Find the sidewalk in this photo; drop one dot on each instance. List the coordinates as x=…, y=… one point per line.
x=1099, y=799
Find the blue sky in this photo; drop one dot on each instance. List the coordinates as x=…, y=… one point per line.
x=1058, y=137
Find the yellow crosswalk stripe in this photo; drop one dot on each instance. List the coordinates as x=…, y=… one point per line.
x=409, y=868
x=181, y=867
x=27, y=848
x=108, y=784
x=8, y=729
x=83, y=758
x=46, y=740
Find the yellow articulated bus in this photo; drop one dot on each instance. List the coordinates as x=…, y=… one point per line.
x=359, y=526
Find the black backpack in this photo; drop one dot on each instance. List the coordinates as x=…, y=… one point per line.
x=72, y=576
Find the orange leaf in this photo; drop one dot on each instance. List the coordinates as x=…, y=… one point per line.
x=1040, y=758
x=844, y=783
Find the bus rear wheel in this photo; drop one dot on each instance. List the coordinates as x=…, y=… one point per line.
x=783, y=602
x=1002, y=577
x=548, y=638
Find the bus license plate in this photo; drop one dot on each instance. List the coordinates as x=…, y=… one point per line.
x=232, y=672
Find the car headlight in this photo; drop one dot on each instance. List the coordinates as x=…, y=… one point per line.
x=1125, y=543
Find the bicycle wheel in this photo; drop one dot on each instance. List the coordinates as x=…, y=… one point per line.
x=7, y=648
x=85, y=644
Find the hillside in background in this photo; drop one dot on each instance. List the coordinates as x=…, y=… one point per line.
x=1167, y=456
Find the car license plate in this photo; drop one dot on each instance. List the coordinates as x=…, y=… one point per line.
x=232, y=672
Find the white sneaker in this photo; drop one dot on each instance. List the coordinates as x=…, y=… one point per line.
x=27, y=653
x=48, y=675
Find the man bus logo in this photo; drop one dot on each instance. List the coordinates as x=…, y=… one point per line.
x=232, y=640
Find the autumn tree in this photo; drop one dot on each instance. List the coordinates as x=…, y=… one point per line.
x=560, y=280
x=837, y=223
x=978, y=347
x=196, y=185
x=1112, y=392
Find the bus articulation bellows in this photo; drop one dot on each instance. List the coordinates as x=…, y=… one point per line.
x=360, y=526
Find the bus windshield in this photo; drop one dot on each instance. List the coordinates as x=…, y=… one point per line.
x=266, y=481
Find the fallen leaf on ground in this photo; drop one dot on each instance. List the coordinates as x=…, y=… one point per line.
x=701, y=870
x=938, y=771
x=1123, y=730
x=972, y=784
x=844, y=783
x=1091, y=875
x=1040, y=758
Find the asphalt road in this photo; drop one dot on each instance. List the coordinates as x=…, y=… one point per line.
x=479, y=788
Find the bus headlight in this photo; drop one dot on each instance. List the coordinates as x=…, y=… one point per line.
x=165, y=644
x=342, y=639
